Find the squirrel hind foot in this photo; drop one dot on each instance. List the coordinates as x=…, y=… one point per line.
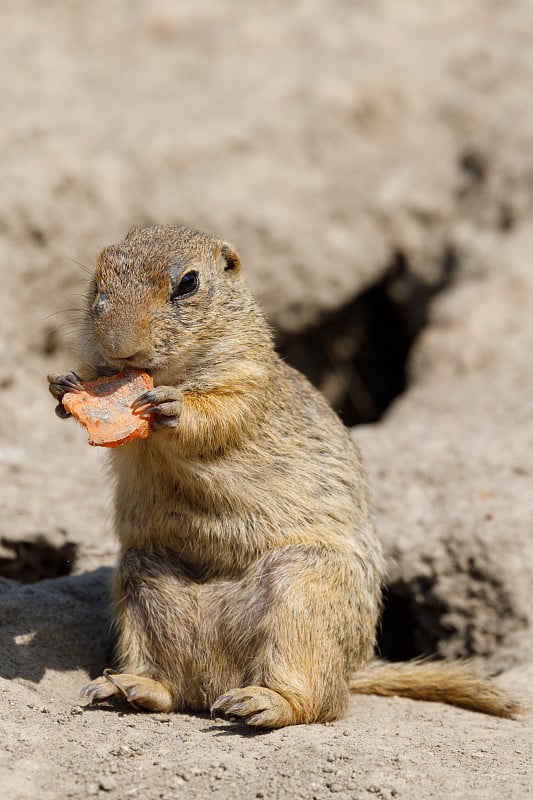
x=140, y=691
x=257, y=706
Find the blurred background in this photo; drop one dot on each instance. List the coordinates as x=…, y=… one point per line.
x=347, y=149
x=343, y=147
x=371, y=161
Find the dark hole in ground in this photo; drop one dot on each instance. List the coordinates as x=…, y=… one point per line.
x=36, y=559
x=474, y=167
x=411, y=622
x=357, y=355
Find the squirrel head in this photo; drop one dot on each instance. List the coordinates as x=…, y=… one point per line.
x=171, y=301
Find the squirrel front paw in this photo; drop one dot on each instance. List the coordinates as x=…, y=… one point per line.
x=59, y=385
x=164, y=402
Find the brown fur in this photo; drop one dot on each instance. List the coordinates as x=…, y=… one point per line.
x=249, y=579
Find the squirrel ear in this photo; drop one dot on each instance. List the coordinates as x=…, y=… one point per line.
x=231, y=259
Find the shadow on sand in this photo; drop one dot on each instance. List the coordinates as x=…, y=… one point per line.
x=61, y=624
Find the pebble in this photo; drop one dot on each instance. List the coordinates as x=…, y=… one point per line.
x=107, y=784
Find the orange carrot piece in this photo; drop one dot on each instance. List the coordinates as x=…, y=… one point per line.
x=103, y=406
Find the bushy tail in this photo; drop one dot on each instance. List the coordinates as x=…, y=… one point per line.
x=458, y=683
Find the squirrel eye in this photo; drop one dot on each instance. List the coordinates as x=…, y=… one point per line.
x=187, y=286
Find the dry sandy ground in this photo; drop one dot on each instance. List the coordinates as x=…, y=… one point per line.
x=329, y=142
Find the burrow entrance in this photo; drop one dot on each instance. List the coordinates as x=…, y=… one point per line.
x=36, y=559
x=357, y=355
x=410, y=628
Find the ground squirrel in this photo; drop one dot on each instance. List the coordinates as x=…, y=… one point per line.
x=249, y=577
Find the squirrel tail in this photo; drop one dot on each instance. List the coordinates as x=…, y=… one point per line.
x=458, y=683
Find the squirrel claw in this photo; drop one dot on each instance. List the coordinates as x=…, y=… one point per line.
x=163, y=402
x=222, y=703
x=61, y=384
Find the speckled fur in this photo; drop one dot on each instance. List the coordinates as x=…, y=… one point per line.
x=250, y=575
